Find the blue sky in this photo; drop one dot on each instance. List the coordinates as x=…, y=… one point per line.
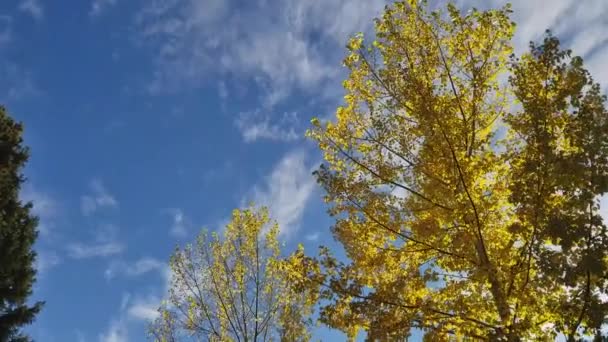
x=149, y=119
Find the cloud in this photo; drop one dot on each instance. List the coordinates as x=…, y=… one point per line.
x=86, y=251
x=144, y=309
x=80, y=336
x=312, y=236
x=283, y=46
x=18, y=81
x=46, y=260
x=43, y=204
x=21, y=82
x=137, y=307
x=6, y=30
x=98, y=199
x=178, y=228
x=603, y=202
x=44, y=207
x=287, y=48
x=105, y=244
x=254, y=126
x=564, y=18
x=33, y=8
x=117, y=332
x=99, y=6
x=132, y=308
x=180, y=225
x=291, y=45
x=286, y=191
x=140, y=267
x=48, y=210
x=222, y=91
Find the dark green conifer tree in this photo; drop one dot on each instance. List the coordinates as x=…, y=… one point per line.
x=17, y=235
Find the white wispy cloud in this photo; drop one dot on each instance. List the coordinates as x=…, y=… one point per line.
x=98, y=199
x=85, y=251
x=99, y=6
x=137, y=307
x=43, y=204
x=6, y=30
x=563, y=18
x=286, y=47
x=105, y=244
x=140, y=267
x=604, y=208
x=222, y=90
x=48, y=210
x=255, y=125
x=117, y=332
x=286, y=191
x=180, y=225
x=144, y=309
x=283, y=45
x=178, y=228
x=33, y=8
x=80, y=336
x=45, y=260
x=45, y=207
x=295, y=45
x=312, y=236
x=18, y=81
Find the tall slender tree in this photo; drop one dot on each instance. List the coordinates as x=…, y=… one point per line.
x=17, y=235
x=467, y=206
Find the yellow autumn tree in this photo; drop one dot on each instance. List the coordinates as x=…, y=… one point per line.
x=467, y=206
x=231, y=288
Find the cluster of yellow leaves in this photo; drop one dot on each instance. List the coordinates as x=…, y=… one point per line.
x=450, y=225
x=232, y=287
x=466, y=205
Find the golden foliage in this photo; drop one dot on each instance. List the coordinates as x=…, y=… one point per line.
x=233, y=288
x=467, y=206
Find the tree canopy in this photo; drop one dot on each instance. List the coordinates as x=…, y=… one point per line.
x=17, y=235
x=465, y=185
x=232, y=288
